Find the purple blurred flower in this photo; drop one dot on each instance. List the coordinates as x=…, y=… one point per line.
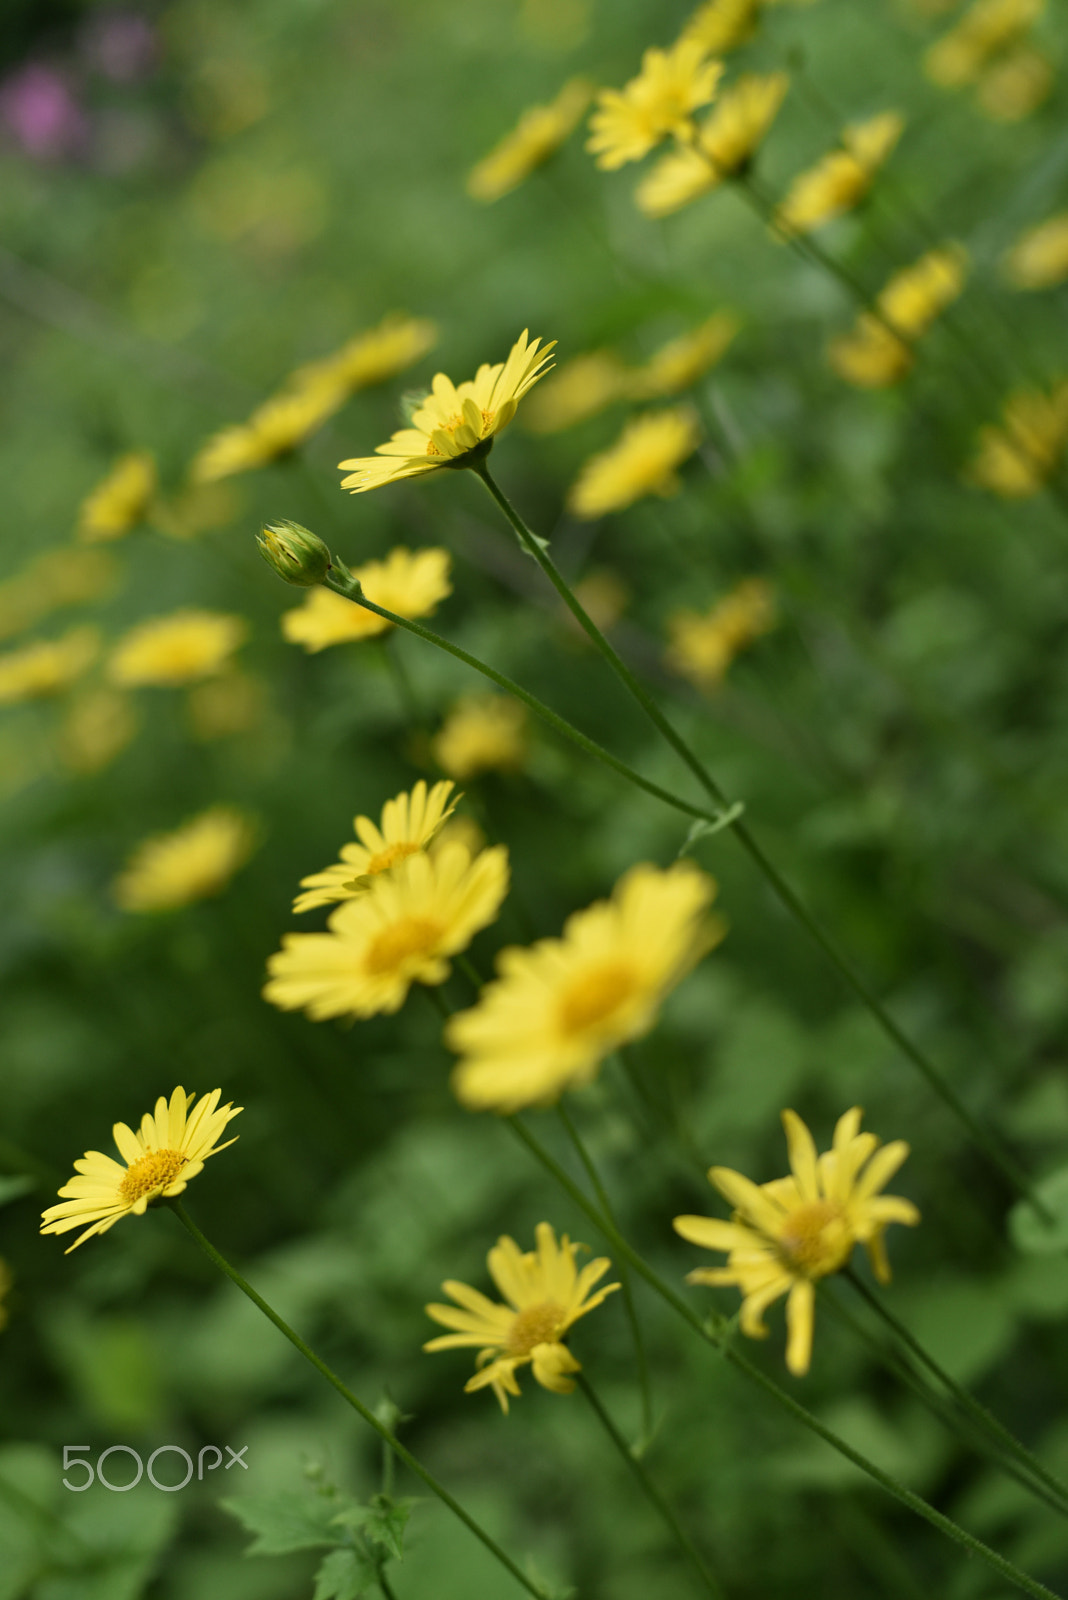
x=121, y=45
x=40, y=109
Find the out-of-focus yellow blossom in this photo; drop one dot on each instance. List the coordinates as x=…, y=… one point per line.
x=555, y=1011
x=372, y=357
x=658, y=103
x=841, y=178
x=873, y=355
x=678, y=364
x=67, y=575
x=702, y=645
x=482, y=733
x=47, y=666
x=97, y=728
x=537, y=135
x=725, y=144
x=459, y=829
x=194, y=862
x=1039, y=258
x=784, y=1236
x=987, y=28
x=870, y=356
x=409, y=822
x=643, y=461
x=454, y=420
x=181, y=647
x=1016, y=459
x=603, y=596
x=197, y=509
x=119, y=502
x=5, y=1290
x=722, y=25
x=401, y=931
x=1013, y=88
x=546, y=1295
x=576, y=391
x=275, y=429
x=222, y=707
x=409, y=583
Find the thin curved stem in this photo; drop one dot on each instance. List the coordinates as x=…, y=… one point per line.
x=387, y=1437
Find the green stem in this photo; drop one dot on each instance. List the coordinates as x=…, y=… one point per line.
x=652, y=1493
x=629, y=1307
x=992, y=1147
x=357, y=1405
x=714, y=1337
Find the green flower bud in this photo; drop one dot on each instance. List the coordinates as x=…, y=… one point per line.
x=296, y=554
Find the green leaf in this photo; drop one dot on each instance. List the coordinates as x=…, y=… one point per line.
x=1029, y=1230
x=343, y=1575
x=702, y=829
x=285, y=1522
x=383, y=1522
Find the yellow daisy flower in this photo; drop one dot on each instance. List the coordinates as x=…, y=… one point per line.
x=275, y=429
x=786, y=1235
x=644, y=460
x=410, y=821
x=454, y=420
x=538, y=134
x=659, y=102
x=703, y=645
x=5, y=1290
x=545, y=1294
x=576, y=391
x=371, y=357
x=1016, y=86
x=1016, y=459
x=871, y=355
x=400, y=932
x=556, y=1010
x=1039, y=258
x=482, y=733
x=180, y=647
x=97, y=728
x=722, y=25
x=46, y=667
x=410, y=583
x=120, y=501
x=987, y=28
x=841, y=178
x=725, y=144
x=678, y=364
x=191, y=863
x=158, y=1161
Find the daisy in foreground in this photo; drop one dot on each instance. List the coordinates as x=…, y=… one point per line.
x=157, y=1162
x=454, y=420
x=546, y=1295
x=556, y=1010
x=786, y=1235
x=409, y=822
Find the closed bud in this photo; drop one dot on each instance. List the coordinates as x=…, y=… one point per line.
x=296, y=554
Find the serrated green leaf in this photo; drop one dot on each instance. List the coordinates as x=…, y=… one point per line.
x=1030, y=1231
x=344, y=1575
x=285, y=1522
x=383, y=1522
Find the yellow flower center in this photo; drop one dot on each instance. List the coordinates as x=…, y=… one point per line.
x=816, y=1238
x=456, y=421
x=594, y=995
x=151, y=1174
x=411, y=936
x=535, y=1325
x=390, y=856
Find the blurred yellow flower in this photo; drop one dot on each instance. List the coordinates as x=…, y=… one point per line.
x=5, y=1290
x=177, y=648
x=482, y=733
x=400, y=932
x=65, y=575
x=1016, y=459
x=546, y=1296
x=194, y=862
x=659, y=102
x=119, y=502
x=158, y=1161
x=275, y=429
x=97, y=728
x=197, y=509
x=538, y=134
x=227, y=705
x=722, y=25
x=841, y=178
x=410, y=822
x=870, y=356
x=1039, y=258
x=576, y=391
x=786, y=1235
x=725, y=144
x=1015, y=86
x=47, y=666
x=373, y=356
x=702, y=645
x=875, y=355
x=987, y=28
x=409, y=583
x=453, y=420
x=642, y=461
x=678, y=364
x=557, y=1009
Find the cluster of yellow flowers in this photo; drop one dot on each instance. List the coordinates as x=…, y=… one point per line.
x=879, y=350
x=989, y=49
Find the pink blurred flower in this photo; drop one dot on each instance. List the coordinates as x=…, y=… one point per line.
x=39, y=108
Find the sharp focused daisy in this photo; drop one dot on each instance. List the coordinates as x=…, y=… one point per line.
x=453, y=420
x=644, y=460
x=723, y=147
x=786, y=1235
x=987, y=28
x=546, y=1294
x=46, y=667
x=678, y=364
x=169, y=1148
x=192, y=863
x=538, y=134
x=1016, y=459
x=482, y=733
x=874, y=354
x=657, y=104
x=181, y=647
x=120, y=501
x=841, y=178
x=401, y=931
x=557, y=1009
x=410, y=583
x=410, y=821
x=703, y=644
x=1039, y=258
